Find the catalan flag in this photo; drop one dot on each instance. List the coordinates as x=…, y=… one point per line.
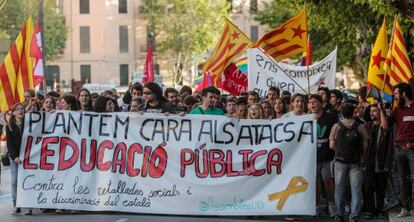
x=397, y=64
x=286, y=40
x=376, y=73
x=16, y=72
x=231, y=44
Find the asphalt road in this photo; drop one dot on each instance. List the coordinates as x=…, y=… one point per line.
x=7, y=215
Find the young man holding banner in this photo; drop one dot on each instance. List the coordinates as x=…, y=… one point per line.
x=208, y=107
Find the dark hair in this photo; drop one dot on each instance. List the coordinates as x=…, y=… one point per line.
x=210, y=89
x=315, y=96
x=190, y=100
x=338, y=94
x=185, y=89
x=326, y=90
x=108, y=92
x=347, y=110
x=71, y=100
x=230, y=100
x=241, y=101
x=89, y=106
x=31, y=91
x=12, y=117
x=53, y=94
x=253, y=93
x=53, y=101
x=137, y=86
x=100, y=104
x=273, y=88
x=156, y=90
x=362, y=91
x=405, y=88
x=169, y=90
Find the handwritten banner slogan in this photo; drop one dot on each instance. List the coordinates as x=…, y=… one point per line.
x=193, y=165
x=265, y=72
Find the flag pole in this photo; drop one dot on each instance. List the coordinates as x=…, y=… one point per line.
x=41, y=16
x=307, y=53
x=389, y=51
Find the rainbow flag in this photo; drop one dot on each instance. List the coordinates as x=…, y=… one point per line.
x=242, y=64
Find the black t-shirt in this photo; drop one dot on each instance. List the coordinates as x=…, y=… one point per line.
x=325, y=123
x=161, y=107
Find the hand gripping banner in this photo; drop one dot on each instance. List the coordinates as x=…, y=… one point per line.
x=191, y=165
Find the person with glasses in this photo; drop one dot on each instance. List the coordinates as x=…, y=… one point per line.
x=14, y=134
x=154, y=102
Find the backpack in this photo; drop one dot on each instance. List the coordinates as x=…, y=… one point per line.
x=348, y=144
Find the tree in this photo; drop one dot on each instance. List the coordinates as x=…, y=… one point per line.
x=14, y=14
x=352, y=25
x=185, y=28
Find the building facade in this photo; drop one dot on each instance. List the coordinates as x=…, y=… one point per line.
x=107, y=40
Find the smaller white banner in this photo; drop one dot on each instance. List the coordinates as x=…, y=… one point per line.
x=265, y=72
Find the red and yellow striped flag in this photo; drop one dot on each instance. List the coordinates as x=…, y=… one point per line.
x=231, y=44
x=397, y=65
x=286, y=40
x=16, y=72
x=376, y=72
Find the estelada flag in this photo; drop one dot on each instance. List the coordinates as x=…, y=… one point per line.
x=16, y=72
x=397, y=64
x=286, y=40
x=376, y=72
x=231, y=44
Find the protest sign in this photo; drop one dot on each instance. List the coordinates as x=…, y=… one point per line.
x=98, y=88
x=235, y=81
x=265, y=72
x=194, y=165
x=138, y=77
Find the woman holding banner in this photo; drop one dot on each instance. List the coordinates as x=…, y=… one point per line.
x=14, y=133
x=85, y=100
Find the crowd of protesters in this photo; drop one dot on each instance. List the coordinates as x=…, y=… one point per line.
x=357, y=150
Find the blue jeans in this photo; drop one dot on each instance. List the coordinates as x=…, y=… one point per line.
x=343, y=172
x=13, y=173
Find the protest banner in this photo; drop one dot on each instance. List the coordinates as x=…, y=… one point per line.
x=235, y=81
x=151, y=163
x=265, y=72
x=98, y=87
x=138, y=77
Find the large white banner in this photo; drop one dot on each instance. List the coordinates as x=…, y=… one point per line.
x=194, y=165
x=265, y=72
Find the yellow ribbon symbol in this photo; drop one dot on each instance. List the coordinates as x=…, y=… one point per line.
x=293, y=188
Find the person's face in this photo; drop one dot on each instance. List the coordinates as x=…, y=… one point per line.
x=266, y=108
x=210, y=99
x=334, y=100
x=231, y=107
x=278, y=106
x=272, y=95
x=324, y=95
x=298, y=104
x=134, y=106
x=374, y=113
x=314, y=105
x=242, y=111
x=18, y=112
x=110, y=106
x=251, y=99
x=148, y=95
x=27, y=97
x=83, y=98
x=136, y=93
x=64, y=105
x=254, y=112
x=173, y=98
x=58, y=104
x=48, y=105
x=397, y=94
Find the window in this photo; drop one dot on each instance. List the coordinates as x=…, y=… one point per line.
x=84, y=6
x=85, y=72
x=254, y=32
x=123, y=74
x=123, y=38
x=85, y=39
x=122, y=6
x=253, y=6
x=52, y=76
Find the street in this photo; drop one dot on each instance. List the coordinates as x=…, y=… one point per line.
x=7, y=215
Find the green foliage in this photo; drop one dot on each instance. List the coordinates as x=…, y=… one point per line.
x=186, y=28
x=352, y=25
x=15, y=13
